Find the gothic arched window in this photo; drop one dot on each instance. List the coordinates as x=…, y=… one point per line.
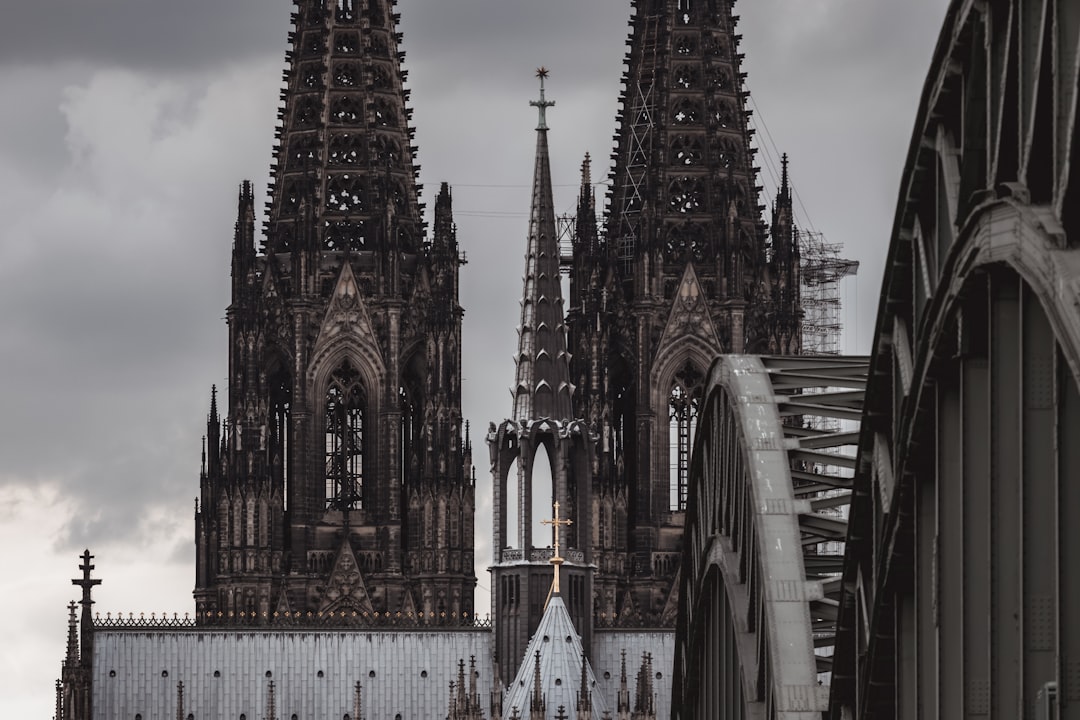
x=683, y=403
x=278, y=440
x=410, y=445
x=345, y=439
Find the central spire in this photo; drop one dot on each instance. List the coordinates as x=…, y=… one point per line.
x=543, y=387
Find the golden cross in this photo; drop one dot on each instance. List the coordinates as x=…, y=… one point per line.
x=556, y=559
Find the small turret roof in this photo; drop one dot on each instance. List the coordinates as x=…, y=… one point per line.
x=557, y=647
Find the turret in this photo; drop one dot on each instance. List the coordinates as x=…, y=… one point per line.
x=785, y=317
x=243, y=253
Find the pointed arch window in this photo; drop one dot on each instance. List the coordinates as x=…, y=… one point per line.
x=345, y=439
x=280, y=416
x=683, y=401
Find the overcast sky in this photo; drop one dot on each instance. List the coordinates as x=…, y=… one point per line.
x=128, y=125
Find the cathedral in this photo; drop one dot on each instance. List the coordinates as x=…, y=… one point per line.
x=335, y=567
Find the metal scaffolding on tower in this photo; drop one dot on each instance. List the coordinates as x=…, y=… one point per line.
x=821, y=272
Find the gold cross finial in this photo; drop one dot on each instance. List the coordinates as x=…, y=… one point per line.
x=557, y=559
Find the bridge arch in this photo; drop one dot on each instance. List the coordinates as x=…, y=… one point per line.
x=962, y=577
x=771, y=477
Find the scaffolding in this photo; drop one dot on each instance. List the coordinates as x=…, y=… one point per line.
x=566, y=230
x=821, y=272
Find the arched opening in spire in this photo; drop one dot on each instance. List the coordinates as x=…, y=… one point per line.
x=512, y=509
x=542, y=490
x=683, y=400
x=411, y=402
x=344, y=439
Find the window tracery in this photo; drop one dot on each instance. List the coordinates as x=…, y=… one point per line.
x=344, y=149
x=344, y=419
x=346, y=43
x=345, y=193
x=686, y=150
x=685, y=195
x=683, y=401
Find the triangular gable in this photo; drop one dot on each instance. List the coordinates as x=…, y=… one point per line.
x=284, y=607
x=629, y=609
x=347, y=314
x=409, y=604
x=671, y=607
x=689, y=315
x=345, y=588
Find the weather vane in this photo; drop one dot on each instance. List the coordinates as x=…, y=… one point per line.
x=543, y=104
x=556, y=559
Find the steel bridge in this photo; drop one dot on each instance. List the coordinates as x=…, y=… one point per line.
x=893, y=536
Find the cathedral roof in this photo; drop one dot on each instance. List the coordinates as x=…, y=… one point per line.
x=553, y=661
x=227, y=674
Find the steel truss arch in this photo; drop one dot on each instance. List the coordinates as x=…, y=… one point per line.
x=962, y=577
x=769, y=485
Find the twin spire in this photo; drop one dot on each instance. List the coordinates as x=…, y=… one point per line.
x=343, y=166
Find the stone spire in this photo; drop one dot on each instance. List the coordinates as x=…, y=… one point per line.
x=683, y=185
x=180, y=701
x=73, y=636
x=536, y=700
x=584, y=698
x=344, y=145
x=784, y=269
x=623, y=702
x=358, y=705
x=542, y=388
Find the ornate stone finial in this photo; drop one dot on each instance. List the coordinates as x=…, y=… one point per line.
x=556, y=559
x=180, y=700
x=73, y=635
x=85, y=582
x=271, y=702
x=543, y=103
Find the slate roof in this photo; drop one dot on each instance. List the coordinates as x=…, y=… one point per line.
x=404, y=675
x=560, y=651
x=607, y=647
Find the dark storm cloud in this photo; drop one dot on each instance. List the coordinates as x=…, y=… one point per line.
x=162, y=35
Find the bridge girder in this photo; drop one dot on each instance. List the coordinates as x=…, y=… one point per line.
x=962, y=577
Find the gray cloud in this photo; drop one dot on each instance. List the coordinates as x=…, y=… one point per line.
x=153, y=35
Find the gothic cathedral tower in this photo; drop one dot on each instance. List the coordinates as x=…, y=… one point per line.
x=682, y=272
x=542, y=432
x=339, y=480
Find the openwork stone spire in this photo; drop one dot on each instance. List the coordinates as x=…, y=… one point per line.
x=542, y=388
x=344, y=162
x=683, y=183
